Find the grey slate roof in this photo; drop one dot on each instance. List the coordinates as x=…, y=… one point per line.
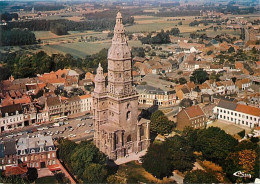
x=152, y=90
x=227, y=105
x=10, y=148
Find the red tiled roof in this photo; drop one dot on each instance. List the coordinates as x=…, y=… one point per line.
x=194, y=111
x=248, y=109
x=85, y=96
x=15, y=170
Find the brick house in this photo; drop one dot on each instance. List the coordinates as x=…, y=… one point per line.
x=38, y=152
x=192, y=116
x=7, y=154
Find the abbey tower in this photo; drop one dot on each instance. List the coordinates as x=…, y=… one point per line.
x=115, y=106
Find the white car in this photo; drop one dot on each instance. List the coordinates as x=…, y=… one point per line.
x=45, y=128
x=20, y=133
x=78, y=125
x=83, y=124
x=87, y=131
x=71, y=129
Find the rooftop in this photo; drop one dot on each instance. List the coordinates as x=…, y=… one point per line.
x=194, y=111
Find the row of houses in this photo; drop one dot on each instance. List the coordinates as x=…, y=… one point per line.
x=38, y=152
x=15, y=116
x=225, y=110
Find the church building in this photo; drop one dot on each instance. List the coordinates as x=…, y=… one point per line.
x=118, y=131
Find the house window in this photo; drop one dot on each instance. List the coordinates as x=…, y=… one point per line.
x=49, y=155
x=53, y=155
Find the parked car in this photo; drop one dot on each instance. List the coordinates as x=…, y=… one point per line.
x=87, y=131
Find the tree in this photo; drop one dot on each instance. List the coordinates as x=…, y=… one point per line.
x=160, y=123
x=234, y=79
x=245, y=161
x=181, y=153
x=180, y=23
x=231, y=50
x=156, y=161
x=215, y=144
x=209, y=52
x=95, y=173
x=82, y=158
x=199, y=176
x=174, y=31
x=65, y=150
x=182, y=80
x=199, y=76
x=186, y=102
x=214, y=76
x=32, y=174
x=138, y=51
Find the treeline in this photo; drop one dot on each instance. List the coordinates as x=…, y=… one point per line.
x=205, y=22
x=109, y=15
x=84, y=160
x=21, y=65
x=43, y=7
x=17, y=37
x=46, y=25
x=161, y=37
x=178, y=13
x=8, y=16
x=58, y=29
x=216, y=150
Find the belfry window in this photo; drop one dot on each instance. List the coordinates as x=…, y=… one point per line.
x=128, y=139
x=128, y=115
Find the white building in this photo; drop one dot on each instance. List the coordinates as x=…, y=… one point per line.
x=85, y=102
x=238, y=113
x=11, y=117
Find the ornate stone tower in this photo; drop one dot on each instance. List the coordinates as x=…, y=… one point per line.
x=117, y=129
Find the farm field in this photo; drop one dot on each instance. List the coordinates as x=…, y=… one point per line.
x=81, y=49
x=49, y=36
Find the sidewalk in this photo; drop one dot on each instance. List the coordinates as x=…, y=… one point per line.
x=131, y=157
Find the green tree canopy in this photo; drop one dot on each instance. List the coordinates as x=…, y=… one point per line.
x=156, y=161
x=181, y=153
x=186, y=102
x=199, y=176
x=199, y=76
x=215, y=144
x=160, y=123
x=182, y=80
x=65, y=150
x=85, y=154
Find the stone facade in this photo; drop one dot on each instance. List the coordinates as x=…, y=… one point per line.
x=117, y=129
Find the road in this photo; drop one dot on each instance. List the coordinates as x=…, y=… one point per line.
x=246, y=32
x=177, y=178
x=79, y=132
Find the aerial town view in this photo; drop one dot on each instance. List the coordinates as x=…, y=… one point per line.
x=129, y=91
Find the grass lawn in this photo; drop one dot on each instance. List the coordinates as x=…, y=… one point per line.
x=47, y=180
x=135, y=173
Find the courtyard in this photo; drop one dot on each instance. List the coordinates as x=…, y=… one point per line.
x=229, y=128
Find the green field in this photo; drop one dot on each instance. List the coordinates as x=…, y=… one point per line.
x=148, y=27
x=81, y=49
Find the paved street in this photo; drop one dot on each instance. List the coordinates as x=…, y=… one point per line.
x=75, y=129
